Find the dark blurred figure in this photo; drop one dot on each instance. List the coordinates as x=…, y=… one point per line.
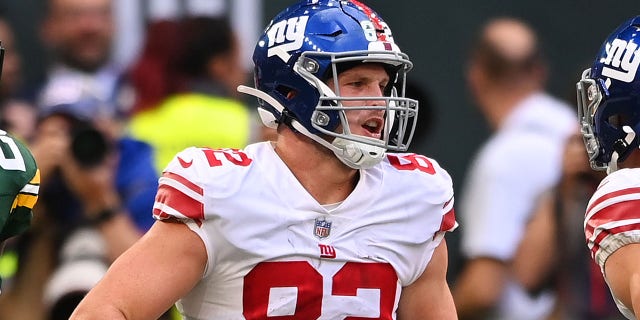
x=185, y=83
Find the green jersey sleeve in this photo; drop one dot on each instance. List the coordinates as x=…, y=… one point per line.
x=19, y=186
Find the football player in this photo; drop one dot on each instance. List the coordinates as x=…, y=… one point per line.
x=323, y=223
x=19, y=184
x=609, y=111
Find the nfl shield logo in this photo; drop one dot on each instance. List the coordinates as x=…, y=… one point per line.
x=322, y=228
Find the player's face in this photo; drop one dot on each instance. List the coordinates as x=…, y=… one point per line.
x=365, y=80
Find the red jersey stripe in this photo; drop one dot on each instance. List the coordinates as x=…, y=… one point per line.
x=187, y=206
x=183, y=181
x=448, y=221
x=614, y=194
x=616, y=212
x=158, y=213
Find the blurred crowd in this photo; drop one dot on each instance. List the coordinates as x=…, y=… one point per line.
x=120, y=99
x=104, y=123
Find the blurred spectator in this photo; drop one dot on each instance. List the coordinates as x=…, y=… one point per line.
x=17, y=115
x=199, y=105
x=506, y=210
x=133, y=17
x=80, y=35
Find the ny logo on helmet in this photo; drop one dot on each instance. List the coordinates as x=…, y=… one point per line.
x=286, y=35
x=622, y=56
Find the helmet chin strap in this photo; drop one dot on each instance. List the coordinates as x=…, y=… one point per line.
x=628, y=139
x=356, y=155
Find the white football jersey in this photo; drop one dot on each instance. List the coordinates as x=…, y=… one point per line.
x=273, y=250
x=612, y=219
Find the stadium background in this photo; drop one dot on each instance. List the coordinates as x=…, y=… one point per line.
x=437, y=36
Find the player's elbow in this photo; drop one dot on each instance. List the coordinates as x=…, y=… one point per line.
x=87, y=312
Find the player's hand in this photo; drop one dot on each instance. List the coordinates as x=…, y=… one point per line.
x=51, y=143
x=95, y=185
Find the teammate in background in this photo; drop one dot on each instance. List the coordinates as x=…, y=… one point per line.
x=19, y=184
x=321, y=223
x=609, y=112
x=506, y=210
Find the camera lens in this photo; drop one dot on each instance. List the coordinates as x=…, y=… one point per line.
x=89, y=146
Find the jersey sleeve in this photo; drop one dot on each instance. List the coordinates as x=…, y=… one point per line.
x=448, y=221
x=432, y=180
x=612, y=218
x=180, y=191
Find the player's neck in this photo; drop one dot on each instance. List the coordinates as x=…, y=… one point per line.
x=316, y=168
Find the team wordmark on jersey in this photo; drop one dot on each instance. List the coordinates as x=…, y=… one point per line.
x=286, y=35
x=327, y=251
x=622, y=59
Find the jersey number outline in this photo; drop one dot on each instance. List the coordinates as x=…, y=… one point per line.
x=412, y=162
x=10, y=161
x=234, y=156
x=308, y=285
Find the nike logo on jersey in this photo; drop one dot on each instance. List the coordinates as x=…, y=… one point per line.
x=327, y=251
x=185, y=164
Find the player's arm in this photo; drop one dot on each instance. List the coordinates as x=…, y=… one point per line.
x=149, y=277
x=429, y=297
x=622, y=270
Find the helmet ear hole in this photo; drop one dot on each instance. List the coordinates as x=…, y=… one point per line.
x=615, y=121
x=286, y=92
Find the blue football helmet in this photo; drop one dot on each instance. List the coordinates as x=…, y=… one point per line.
x=303, y=47
x=609, y=99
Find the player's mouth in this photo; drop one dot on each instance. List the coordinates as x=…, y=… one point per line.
x=373, y=127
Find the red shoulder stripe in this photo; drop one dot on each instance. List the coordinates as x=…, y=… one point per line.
x=184, y=181
x=184, y=204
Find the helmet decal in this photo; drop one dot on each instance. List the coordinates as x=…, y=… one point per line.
x=621, y=60
x=286, y=35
